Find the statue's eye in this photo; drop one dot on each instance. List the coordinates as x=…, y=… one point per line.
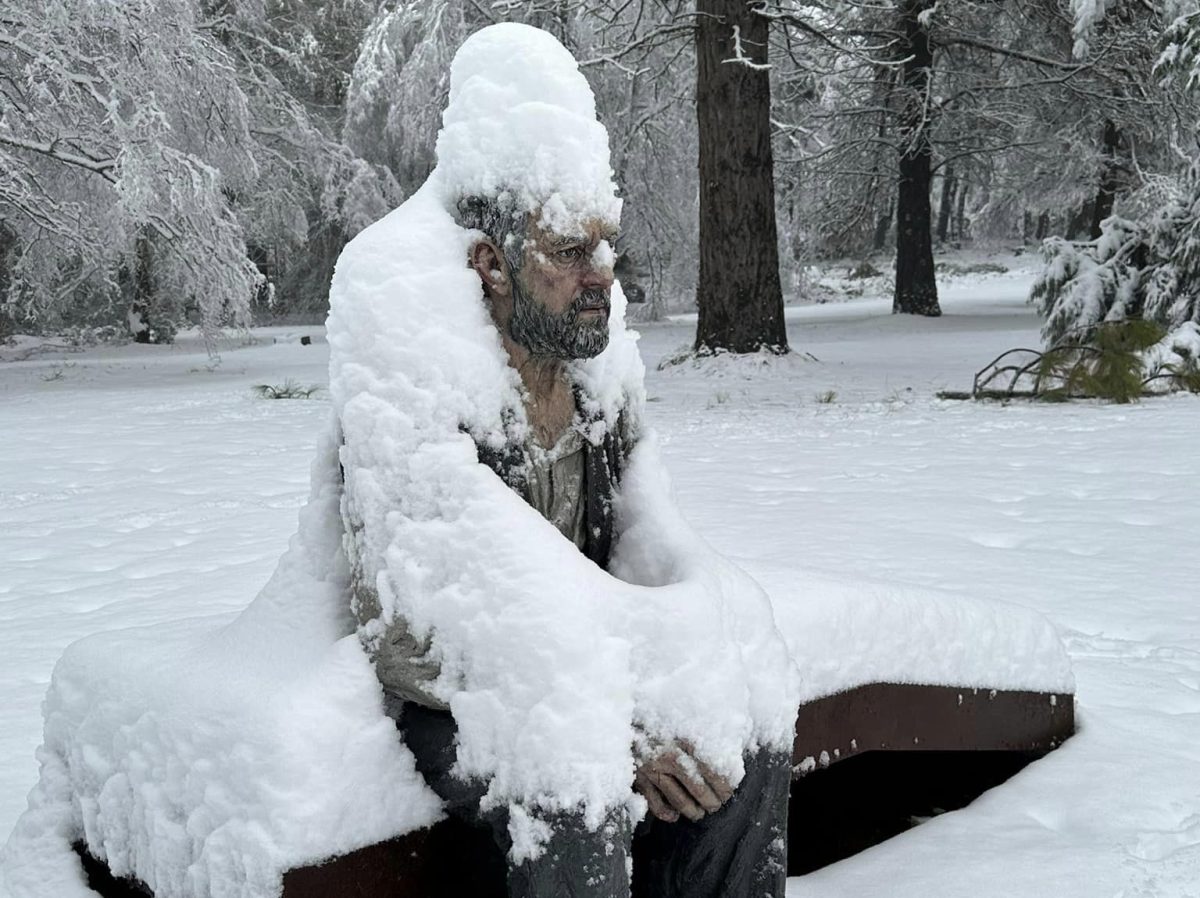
x=570, y=252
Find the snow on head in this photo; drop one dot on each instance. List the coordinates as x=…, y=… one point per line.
x=521, y=126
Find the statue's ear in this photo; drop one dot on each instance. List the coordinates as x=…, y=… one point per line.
x=492, y=268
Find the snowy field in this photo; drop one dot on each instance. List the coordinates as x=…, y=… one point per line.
x=139, y=485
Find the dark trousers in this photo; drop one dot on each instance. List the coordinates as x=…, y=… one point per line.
x=738, y=852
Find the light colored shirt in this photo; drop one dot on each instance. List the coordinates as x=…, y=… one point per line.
x=556, y=485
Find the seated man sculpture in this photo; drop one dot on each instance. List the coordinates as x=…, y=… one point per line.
x=554, y=677
x=490, y=553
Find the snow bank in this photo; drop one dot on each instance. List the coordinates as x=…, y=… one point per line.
x=207, y=758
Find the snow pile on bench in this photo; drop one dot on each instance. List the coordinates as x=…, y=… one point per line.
x=208, y=757
x=845, y=633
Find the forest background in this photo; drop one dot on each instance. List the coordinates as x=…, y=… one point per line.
x=166, y=163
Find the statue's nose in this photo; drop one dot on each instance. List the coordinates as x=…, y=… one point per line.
x=599, y=276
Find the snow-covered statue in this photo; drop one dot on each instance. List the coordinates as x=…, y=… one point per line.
x=490, y=536
x=558, y=648
x=491, y=607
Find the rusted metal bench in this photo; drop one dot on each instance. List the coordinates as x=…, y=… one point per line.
x=866, y=762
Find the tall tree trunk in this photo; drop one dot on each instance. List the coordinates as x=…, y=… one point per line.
x=883, y=224
x=949, y=189
x=916, y=286
x=883, y=87
x=961, y=215
x=8, y=258
x=1080, y=219
x=142, y=301
x=1109, y=181
x=739, y=292
x=1043, y=226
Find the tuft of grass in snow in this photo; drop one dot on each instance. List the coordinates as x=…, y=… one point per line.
x=289, y=389
x=58, y=372
x=827, y=398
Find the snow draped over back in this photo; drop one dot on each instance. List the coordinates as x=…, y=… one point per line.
x=550, y=665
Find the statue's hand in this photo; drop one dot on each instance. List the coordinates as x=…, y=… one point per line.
x=675, y=782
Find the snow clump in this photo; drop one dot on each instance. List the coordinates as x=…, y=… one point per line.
x=521, y=125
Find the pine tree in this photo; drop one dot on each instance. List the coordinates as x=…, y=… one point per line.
x=1147, y=268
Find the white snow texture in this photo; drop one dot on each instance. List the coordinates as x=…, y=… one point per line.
x=521, y=121
x=207, y=762
x=207, y=758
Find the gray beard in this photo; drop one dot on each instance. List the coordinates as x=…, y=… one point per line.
x=563, y=336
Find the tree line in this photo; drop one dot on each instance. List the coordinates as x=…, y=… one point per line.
x=173, y=161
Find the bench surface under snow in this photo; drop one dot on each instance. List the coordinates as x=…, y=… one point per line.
x=192, y=762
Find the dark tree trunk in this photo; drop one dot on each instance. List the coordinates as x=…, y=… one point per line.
x=949, y=189
x=739, y=291
x=142, y=301
x=8, y=258
x=1080, y=219
x=1109, y=178
x=884, y=85
x=961, y=215
x=1043, y=227
x=883, y=224
x=916, y=286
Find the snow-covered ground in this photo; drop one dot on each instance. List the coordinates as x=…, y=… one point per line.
x=140, y=485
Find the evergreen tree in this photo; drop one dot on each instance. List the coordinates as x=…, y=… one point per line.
x=1138, y=269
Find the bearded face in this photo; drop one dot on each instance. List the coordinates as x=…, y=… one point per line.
x=548, y=290
x=578, y=332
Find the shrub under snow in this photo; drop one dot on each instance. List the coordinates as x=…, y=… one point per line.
x=1148, y=270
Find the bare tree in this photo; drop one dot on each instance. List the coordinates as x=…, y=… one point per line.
x=117, y=149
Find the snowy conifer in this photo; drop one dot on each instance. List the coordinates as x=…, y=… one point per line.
x=1147, y=268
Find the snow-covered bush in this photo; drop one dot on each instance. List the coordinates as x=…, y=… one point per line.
x=1136, y=269
x=1146, y=268
x=1122, y=362
x=1180, y=57
x=117, y=172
